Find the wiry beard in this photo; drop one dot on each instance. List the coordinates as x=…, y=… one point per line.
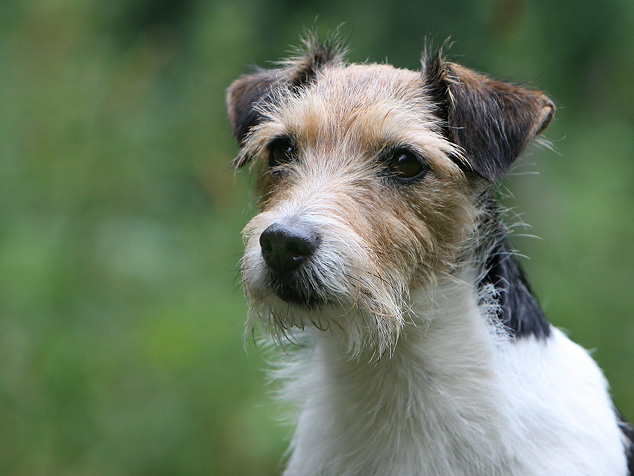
x=339, y=291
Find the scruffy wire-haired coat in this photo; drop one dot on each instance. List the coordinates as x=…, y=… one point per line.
x=379, y=253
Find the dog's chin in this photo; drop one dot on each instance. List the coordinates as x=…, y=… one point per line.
x=288, y=304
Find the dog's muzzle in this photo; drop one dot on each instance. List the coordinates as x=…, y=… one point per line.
x=286, y=250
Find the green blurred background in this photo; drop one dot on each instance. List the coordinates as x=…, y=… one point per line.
x=120, y=306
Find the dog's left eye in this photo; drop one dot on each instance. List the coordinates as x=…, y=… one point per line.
x=405, y=165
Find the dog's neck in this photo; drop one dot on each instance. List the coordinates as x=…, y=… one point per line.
x=518, y=311
x=433, y=404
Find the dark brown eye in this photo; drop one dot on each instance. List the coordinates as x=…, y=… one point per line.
x=405, y=165
x=281, y=151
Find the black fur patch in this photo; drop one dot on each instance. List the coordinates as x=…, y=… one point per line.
x=434, y=75
x=245, y=94
x=520, y=311
x=629, y=434
x=491, y=120
x=304, y=68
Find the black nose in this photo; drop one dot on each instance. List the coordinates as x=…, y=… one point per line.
x=285, y=247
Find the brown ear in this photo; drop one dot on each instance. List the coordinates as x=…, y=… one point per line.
x=492, y=121
x=248, y=93
x=244, y=95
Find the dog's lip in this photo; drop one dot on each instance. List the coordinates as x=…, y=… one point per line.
x=290, y=296
x=302, y=297
x=289, y=288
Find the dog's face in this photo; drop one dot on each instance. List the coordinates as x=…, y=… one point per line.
x=368, y=185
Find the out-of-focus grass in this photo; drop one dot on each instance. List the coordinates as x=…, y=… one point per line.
x=120, y=308
x=121, y=313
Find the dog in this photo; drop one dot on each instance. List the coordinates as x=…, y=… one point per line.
x=380, y=262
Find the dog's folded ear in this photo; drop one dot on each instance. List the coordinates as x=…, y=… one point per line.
x=244, y=96
x=250, y=94
x=492, y=121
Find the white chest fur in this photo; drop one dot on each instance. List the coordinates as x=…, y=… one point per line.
x=455, y=398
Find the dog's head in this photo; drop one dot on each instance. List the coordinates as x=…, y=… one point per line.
x=369, y=177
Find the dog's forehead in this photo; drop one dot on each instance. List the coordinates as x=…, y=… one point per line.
x=356, y=84
x=362, y=103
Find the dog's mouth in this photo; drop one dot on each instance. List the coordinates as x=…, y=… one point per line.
x=297, y=289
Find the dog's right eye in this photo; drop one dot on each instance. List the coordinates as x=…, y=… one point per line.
x=281, y=151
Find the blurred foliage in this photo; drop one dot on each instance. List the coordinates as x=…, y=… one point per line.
x=120, y=309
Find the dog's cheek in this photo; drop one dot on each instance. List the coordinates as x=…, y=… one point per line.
x=426, y=226
x=396, y=238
